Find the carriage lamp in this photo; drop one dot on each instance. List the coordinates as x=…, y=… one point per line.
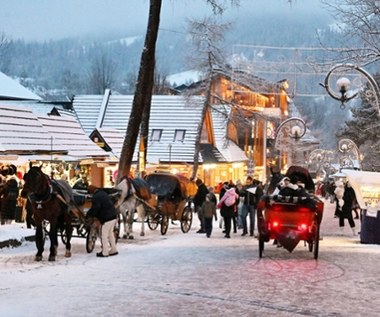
x=363, y=81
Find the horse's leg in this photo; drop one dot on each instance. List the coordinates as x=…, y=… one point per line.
x=131, y=213
x=125, y=223
x=39, y=242
x=69, y=234
x=141, y=215
x=53, y=235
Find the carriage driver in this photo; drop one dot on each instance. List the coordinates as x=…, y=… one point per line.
x=103, y=209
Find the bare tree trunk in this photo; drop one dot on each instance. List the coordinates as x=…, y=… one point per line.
x=144, y=129
x=206, y=106
x=143, y=91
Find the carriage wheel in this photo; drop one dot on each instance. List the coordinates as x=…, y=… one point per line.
x=316, y=242
x=187, y=219
x=261, y=246
x=153, y=221
x=92, y=235
x=164, y=224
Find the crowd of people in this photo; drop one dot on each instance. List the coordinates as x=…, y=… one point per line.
x=237, y=204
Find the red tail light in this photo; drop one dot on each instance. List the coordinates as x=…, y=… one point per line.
x=302, y=227
x=274, y=225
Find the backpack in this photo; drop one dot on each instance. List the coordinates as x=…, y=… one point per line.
x=230, y=200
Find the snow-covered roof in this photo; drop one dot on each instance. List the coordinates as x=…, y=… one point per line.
x=11, y=89
x=22, y=132
x=67, y=133
x=229, y=149
x=40, y=107
x=168, y=113
x=184, y=78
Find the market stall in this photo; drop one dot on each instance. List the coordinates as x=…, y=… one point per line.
x=367, y=190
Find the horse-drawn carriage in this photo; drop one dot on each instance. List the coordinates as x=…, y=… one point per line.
x=171, y=199
x=291, y=218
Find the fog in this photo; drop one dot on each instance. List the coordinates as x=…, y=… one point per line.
x=41, y=20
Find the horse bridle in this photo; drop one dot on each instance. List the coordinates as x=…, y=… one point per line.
x=45, y=197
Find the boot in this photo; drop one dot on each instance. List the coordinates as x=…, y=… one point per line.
x=353, y=231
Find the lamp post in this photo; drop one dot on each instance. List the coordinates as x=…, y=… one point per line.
x=321, y=160
x=344, y=92
x=349, y=153
x=288, y=133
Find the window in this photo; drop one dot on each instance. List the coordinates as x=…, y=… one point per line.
x=179, y=135
x=156, y=135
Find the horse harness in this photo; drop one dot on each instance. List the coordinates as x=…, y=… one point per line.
x=50, y=193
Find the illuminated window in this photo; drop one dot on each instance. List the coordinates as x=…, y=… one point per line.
x=179, y=135
x=156, y=135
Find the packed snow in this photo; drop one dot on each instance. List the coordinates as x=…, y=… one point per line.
x=190, y=275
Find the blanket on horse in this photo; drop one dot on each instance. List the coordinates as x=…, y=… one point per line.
x=141, y=188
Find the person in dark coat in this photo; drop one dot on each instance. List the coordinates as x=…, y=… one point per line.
x=9, y=197
x=227, y=208
x=104, y=210
x=250, y=204
x=346, y=213
x=198, y=200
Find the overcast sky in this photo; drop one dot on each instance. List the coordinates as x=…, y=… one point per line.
x=56, y=19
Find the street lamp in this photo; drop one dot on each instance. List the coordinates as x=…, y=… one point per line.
x=320, y=161
x=343, y=84
x=287, y=135
x=349, y=153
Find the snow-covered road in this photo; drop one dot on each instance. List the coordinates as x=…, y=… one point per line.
x=190, y=275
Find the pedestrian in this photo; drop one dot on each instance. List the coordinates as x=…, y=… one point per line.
x=198, y=200
x=234, y=217
x=222, y=191
x=227, y=208
x=213, y=198
x=209, y=211
x=104, y=210
x=332, y=188
x=252, y=192
x=338, y=194
x=346, y=210
x=9, y=195
x=239, y=188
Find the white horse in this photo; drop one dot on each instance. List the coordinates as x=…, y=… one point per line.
x=130, y=201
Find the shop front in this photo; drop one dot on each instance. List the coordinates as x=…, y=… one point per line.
x=367, y=190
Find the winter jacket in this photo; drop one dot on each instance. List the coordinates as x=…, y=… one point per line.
x=9, y=199
x=209, y=209
x=250, y=198
x=200, y=196
x=102, y=207
x=228, y=210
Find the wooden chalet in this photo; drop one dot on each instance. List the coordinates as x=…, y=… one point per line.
x=173, y=126
x=257, y=107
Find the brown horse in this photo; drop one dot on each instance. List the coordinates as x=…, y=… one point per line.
x=51, y=200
